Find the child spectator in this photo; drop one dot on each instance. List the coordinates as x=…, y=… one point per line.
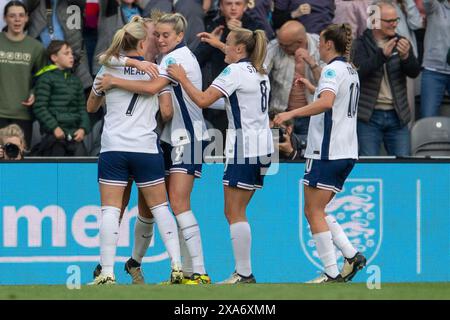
x=60, y=107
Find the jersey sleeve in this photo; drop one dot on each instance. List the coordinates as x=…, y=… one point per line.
x=228, y=81
x=328, y=80
x=164, y=90
x=165, y=62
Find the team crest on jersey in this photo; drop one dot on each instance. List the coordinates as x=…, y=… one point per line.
x=226, y=71
x=358, y=209
x=330, y=74
x=170, y=61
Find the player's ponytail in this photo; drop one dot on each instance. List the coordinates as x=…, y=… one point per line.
x=341, y=35
x=255, y=44
x=125, y=39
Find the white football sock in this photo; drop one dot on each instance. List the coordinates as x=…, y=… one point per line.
x=241, y=239
x=109, y=235
x=191, y=235
x=327, y=255
x=143, y=233
x=340, y=238
x=168, y=231
x=185, y=256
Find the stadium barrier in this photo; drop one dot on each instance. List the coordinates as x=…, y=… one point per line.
x=396, y=213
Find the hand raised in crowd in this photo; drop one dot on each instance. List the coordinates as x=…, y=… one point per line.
x=234, y=23
x=403, y=47
x=104, y=82
x=302, y=10
x=177, y=72
x=78, y=135
x=59, y=133
x=389, y=47
x=311, y=88
x=213, y=38
x=29, y=102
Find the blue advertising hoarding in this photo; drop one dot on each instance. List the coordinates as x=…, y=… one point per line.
x=397, y=214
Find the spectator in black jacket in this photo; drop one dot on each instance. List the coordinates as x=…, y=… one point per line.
x=384, y=60
x=210, y=53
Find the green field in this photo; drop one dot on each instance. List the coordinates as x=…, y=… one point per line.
x=340, y=291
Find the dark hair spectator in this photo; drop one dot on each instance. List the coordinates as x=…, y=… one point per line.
x=60, y=106
x=65, y=24
x=20, y=57
x=384, y=60
x=436, y=61
x=315, y=15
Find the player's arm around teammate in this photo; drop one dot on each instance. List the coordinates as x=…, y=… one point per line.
x=332, y=150
x=169, y=32
x=130, y=148
x=246, y=86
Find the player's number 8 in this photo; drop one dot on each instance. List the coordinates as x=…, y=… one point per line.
x=264, y=101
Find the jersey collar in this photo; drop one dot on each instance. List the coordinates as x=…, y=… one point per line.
x=178, y=46
x=140, y=58
x=340, y=58
x=244, y=60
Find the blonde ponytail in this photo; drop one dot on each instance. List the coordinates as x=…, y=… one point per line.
x=125, y=39
x=255, y=44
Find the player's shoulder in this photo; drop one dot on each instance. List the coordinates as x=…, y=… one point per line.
x=335, y=69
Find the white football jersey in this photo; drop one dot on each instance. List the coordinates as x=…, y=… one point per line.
x=187, y=121
x=247, y=96
x=130, y=118
x=332, y=134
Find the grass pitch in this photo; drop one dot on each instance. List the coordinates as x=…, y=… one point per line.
x=288, y=291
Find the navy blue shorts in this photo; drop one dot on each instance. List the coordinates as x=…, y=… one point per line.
x=116, y=167
x=247, y=174
x=187, y=158
x=327, y=174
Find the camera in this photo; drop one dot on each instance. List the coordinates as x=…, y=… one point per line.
x=281, y=133
x=11, y=150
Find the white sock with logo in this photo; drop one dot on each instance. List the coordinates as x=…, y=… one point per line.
x=109, y=235
x=168, y=231
x=327, y=255
x=143, y=233
x=241, y=239
x=340, y=239
x=191, y=235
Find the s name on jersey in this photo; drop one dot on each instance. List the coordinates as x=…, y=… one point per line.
x=132, y=71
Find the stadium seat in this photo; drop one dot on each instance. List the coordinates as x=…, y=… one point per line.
x=431, y=137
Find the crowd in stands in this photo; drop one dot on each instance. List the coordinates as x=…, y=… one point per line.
x=401, y=49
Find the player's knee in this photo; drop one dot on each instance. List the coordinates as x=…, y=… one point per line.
x=179, y=205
